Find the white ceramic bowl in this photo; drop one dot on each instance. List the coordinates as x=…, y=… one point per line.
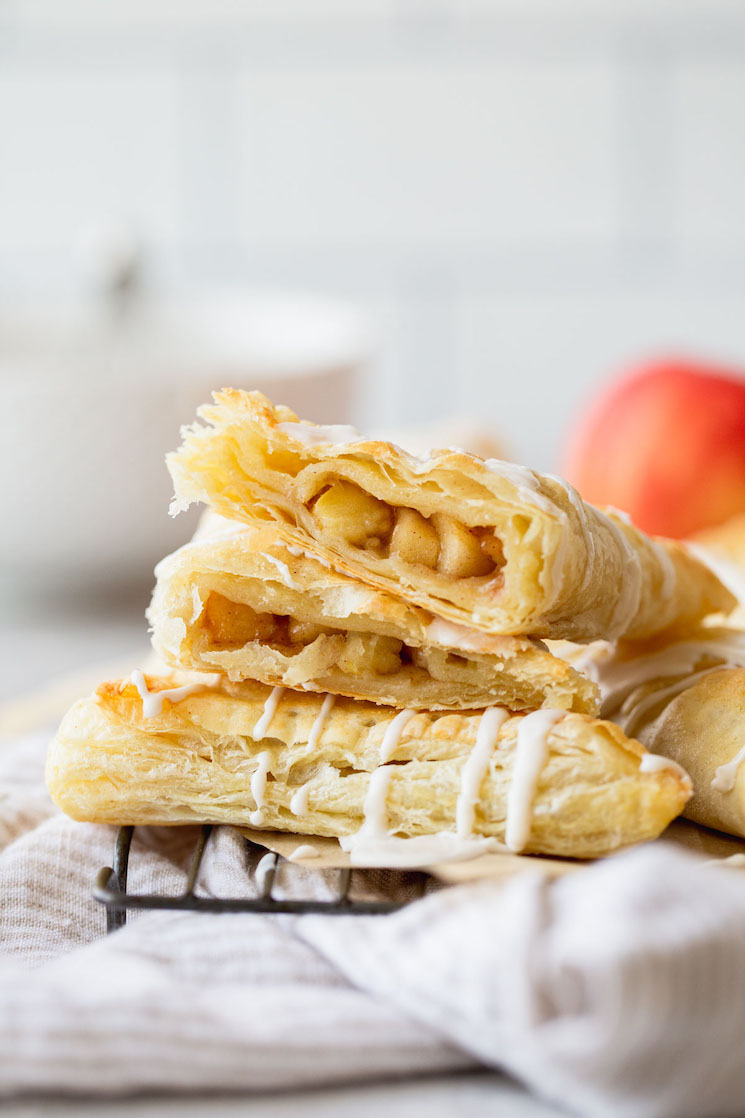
x=91, y=405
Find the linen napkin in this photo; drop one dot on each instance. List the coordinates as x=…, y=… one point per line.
x=618, y=990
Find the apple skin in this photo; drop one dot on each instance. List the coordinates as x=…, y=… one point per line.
x=665, y=443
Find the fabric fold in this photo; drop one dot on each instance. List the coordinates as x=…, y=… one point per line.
x=617, y=991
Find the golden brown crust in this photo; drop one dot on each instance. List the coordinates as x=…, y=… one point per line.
x=684, y=700
x=726, y=539
x=237, y=601
x=194, y=762
x=723, y=548
x=703, y=728
x=537, y=559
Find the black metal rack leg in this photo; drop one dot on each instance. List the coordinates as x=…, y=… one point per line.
x=111, y=890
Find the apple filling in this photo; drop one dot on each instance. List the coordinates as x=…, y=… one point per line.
x=439, y=542
x=232, y=625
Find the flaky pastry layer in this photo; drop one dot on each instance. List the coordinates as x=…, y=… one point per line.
x=237, y=601
x=480, y=542
x=197, y=761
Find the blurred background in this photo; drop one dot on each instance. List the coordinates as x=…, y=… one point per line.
x=393, y=211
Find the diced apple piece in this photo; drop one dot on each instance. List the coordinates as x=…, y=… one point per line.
x=384, y=655
x=377, y=654
x=234, y=623
x=491, y=546
x=460, y=549
x=346, y=510
x=414, y=539
x=304, y=632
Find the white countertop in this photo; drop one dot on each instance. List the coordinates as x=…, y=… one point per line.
x=475, y=1095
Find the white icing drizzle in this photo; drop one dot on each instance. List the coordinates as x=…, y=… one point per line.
x=294, y=550
x=418, y=850
x=526, y=482
x=531, y=752
x=304, y=851
x=257, y=819
x=258, y=778
x=475, y=767
x=726, y=775
x=320, y=721
x=617, y=677
x=374, y=809
x=265, y=871
x=311, y=434
x=299, y=800
x=152, y=701
x=634, y=709
x=372, y=845
x=392, y=735
x=270, y=709
x=283, y=569
x=654, y=763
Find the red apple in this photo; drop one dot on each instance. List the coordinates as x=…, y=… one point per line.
x=665, y=443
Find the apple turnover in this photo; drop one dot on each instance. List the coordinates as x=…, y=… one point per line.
x=482, y=543
x=238, y=601
x=170, y=751
x=726, y=540
x=685, y=701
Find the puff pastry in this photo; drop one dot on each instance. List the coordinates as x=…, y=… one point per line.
x=727, y=539
x=723, y=549
x=159, y=751
x=478, y=542
x=237, y=601
x=685, y=701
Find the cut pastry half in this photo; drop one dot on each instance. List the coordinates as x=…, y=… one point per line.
x=161, y=751
x=723, y=549
x=479, y=542
x=236, y=600
x=685, y=701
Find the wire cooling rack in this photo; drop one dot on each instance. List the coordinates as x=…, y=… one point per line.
x=111, y=889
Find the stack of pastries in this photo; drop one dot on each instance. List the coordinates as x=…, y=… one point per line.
x=355, y=644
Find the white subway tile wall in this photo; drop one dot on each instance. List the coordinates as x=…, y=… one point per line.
x=528, y=196
x=708, y=101
x=428, y=156
x=77, y=143
x=503, y=373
